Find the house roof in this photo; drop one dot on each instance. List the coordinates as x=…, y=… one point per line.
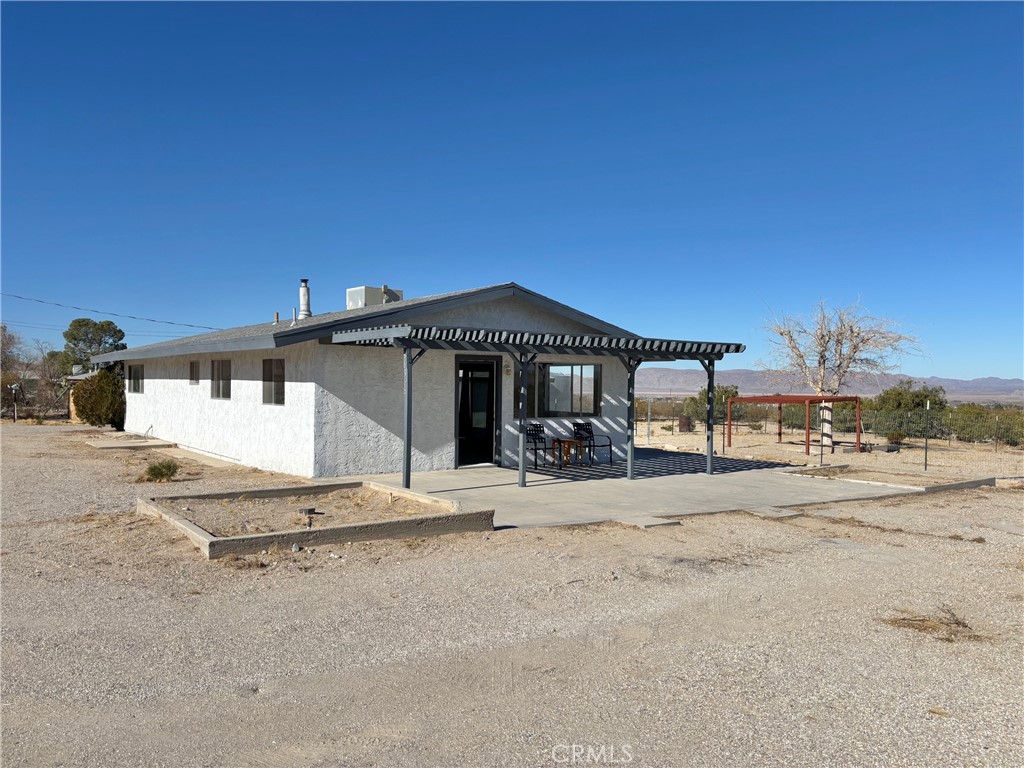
x=273, y=335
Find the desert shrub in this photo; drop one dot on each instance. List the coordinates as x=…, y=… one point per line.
x=99, y=400
x=160, y=471
x=668, y=427
x=895, y=437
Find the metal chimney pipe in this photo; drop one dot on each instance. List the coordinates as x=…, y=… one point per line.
x=304, y=310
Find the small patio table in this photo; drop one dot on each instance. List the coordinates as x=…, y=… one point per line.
x=562, y=449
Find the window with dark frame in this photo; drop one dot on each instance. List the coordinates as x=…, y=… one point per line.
x=136, y=378
x=220, y=379
x=193, y=372
x=273, y=382
x=555, y=389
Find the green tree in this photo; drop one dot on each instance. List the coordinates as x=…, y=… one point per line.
x=696, y=407
x=86, y=337
x=99, y=400
x=904, y=397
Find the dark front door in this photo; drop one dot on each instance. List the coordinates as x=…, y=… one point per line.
x=475, y=428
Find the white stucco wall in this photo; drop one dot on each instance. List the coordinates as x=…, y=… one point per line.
x=360, y=406
x=242, y=429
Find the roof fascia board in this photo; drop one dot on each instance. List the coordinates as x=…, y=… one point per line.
x=183, y=350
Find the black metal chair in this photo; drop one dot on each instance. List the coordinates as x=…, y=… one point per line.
x=537, y=441
x=584, y=430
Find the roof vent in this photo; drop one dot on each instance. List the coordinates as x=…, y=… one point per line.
x=368, y=296
x=304, y=310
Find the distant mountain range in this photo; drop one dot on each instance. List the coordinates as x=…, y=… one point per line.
x=662, y=382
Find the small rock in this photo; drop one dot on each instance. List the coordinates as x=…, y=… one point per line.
x=296, y=547
x=263, y=551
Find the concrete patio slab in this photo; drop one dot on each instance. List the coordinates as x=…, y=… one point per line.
x=646, y=521
x=772, y=512
x=668, y=484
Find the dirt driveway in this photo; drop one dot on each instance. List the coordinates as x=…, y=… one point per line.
x=862, y=633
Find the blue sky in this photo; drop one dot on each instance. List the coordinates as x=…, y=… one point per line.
x=682, y=170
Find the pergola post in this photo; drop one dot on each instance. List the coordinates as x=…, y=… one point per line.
x=524, y=380
x=410, y=360
x=709, y=366
x=631, y=365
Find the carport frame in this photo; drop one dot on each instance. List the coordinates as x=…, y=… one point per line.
x=781, y=400
x=524, y=347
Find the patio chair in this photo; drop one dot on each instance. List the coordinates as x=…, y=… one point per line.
x=537, y=441
x=584, y=430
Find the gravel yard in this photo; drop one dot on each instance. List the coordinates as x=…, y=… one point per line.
x=830, y=639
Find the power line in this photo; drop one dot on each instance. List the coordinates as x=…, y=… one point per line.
x=101, y=312
x=64, y=328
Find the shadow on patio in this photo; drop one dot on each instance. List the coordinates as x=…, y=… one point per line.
x=652, y=462
x=648, y=463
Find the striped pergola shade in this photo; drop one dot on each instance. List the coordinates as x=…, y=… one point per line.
x=525, y=346
x=525, y=342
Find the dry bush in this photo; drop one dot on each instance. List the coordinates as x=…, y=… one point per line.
x=159, y=472
x=945, y=625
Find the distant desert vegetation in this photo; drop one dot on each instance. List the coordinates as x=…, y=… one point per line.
x=672, y=381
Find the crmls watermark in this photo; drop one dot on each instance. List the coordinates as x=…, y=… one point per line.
x=592, y=754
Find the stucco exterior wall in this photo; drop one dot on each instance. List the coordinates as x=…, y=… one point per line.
x=360, y=406
x=243, y=428
x=611, y=422
x=507, y=313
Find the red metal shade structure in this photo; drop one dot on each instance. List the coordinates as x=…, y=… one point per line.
x=781, y=400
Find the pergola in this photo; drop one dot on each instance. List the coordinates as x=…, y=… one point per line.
x=631, y=351
x=781, y=400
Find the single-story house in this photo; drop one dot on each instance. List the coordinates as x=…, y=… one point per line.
x=334, y=394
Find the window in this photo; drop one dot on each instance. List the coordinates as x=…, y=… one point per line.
x=136, y=377
x=193, y=372
x=273, y=382
x=220, y=379
x=563, y=390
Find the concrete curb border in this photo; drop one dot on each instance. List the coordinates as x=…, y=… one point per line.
x=452, y=520
x=978, y=483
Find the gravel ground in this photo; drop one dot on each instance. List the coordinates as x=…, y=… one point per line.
x=727, y=640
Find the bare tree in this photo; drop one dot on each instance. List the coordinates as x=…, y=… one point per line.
x=13, y=365
x=833, y=344
x=46, y=365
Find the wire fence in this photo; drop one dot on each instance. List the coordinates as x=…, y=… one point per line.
x=966, y=440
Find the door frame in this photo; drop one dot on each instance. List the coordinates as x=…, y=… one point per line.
x=498, y=362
